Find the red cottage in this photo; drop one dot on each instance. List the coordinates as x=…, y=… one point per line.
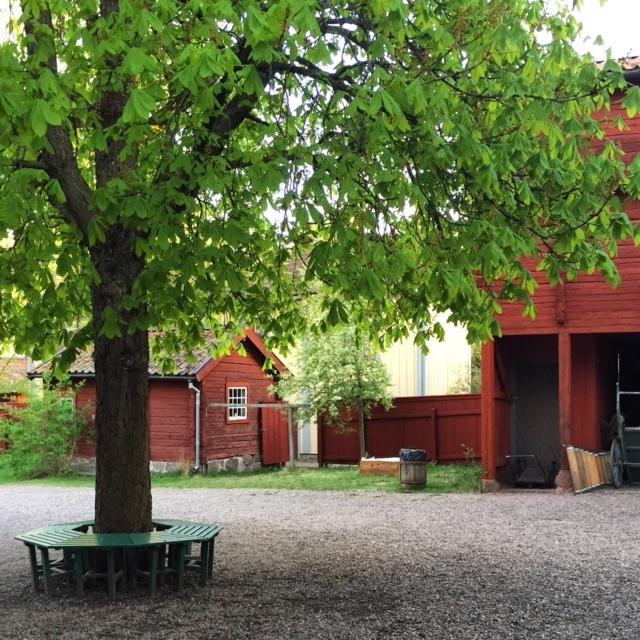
x=551, y=382
x=184, y=429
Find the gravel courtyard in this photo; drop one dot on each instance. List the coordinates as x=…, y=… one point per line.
x=333, y=565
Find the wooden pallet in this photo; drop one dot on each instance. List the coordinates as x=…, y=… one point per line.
x=589, y=469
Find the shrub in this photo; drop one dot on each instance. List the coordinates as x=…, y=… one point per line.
x=42, y=436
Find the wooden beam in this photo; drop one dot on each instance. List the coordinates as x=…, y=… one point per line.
x=503, y=376
x=488, y=411
x=564, y=391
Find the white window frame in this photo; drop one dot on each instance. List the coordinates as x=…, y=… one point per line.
x=71, y=401
x=237, y=400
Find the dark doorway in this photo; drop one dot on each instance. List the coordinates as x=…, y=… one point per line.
x=535, y=423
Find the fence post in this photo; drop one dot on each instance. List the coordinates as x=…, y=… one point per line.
x=434, y=422
x=320, y=439
x=292, y=450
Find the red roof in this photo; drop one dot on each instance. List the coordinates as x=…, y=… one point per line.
x=185, y=365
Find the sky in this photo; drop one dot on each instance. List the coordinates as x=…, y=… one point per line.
x=617, y=21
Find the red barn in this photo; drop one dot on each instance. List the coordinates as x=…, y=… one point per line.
x=226, y=437
x=550, y=382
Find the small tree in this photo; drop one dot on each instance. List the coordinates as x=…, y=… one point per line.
x=42, y=435
x=338, y=372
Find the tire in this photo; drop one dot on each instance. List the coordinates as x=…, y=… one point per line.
x=617, y=468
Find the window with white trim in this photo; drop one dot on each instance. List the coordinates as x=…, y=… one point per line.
x=237, y=401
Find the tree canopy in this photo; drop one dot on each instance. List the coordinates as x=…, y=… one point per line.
x=407, y=153
x=175, y=164
x=335, y=372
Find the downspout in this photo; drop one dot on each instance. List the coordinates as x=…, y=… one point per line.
x=196, y=466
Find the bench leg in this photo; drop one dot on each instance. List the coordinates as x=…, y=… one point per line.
x=46, y=570
x=124, y=573
x=181, y=553
x=111, y=570
x=212, y=543
x=68, y=564
x=133, y=571
x=153, y=571
x=78, y=567
x=205, y=552
x=33, y=561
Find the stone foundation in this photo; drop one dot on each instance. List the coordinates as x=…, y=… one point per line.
x=489, y=486
x=156, y=466
x=84, y=465
x=235, y=463
x=564, y=483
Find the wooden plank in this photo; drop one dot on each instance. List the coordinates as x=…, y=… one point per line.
x=564, y=391
x=574, y=470
x=488, y=411
x=380, y=466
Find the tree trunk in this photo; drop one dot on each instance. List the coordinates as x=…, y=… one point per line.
x=363, y=446
x=123, y=483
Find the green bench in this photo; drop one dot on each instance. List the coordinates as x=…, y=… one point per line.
x=170, y=542
x=204, y=534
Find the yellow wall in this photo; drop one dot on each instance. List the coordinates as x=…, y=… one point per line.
x=444, y=368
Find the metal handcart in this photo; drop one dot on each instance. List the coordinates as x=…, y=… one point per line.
x=625, y=448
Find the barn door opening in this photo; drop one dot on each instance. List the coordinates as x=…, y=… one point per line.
x=536, y=447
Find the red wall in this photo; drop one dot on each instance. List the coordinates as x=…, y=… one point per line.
x=172, y=412
x=171, y=421
x=448, y=427
x=590, y=304
x=585, y=418
x=86, y=401
x=223, y=438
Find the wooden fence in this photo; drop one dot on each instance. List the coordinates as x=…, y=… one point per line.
x=447, y=427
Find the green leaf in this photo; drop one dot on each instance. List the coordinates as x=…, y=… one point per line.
x=139, y=106
x=136, y=61
x=42, y=115
x=110, y=323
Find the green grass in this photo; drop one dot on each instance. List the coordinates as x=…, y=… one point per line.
x=456, y=478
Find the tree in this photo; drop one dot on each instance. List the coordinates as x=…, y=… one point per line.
x=338, y=372
x=42, y=433
x=165, y=164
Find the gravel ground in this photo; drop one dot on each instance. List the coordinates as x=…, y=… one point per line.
x=333, y=565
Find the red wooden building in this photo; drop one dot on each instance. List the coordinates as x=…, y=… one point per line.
x=184, y=428
x=550, y=382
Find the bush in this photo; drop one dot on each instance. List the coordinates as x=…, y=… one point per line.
x=42, y=436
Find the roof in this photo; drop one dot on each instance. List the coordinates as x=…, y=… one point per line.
x=185, y=365
x=629, y=63
x=630, y=67
x=13, y=369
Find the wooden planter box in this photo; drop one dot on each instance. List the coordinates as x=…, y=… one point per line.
x=380, y=466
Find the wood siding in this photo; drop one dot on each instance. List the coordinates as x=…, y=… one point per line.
x=172, y=412
x=590, y=304
x=171, y=421
x=223, y=438
x=86, y=402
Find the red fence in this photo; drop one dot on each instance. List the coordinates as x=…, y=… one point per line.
x=448, y=427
